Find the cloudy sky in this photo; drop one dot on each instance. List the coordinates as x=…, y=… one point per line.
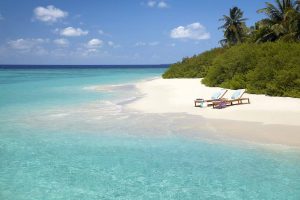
x=112, y=31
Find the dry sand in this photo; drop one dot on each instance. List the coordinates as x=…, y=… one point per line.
x=266, y=119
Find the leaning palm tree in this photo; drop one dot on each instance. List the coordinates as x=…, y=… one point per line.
x=234, y=27
x=283, y=21
x=277, y=12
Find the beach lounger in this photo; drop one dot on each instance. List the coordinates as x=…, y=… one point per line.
x=215, y=97
x=235, y=99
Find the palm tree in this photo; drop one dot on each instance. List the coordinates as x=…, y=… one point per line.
x=234, y=27
x=283, y=21
x=277, y=14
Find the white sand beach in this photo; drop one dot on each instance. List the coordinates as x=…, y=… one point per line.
x=177, y=96
x=278, y=117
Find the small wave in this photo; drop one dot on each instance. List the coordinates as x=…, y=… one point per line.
x=128, y=100
x=59, y=115
x=127, y=86
x=110, y=88
x=93, y=87
x=108, y=107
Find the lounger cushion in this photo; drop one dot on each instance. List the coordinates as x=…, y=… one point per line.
x=216, y=95
x=236, y=94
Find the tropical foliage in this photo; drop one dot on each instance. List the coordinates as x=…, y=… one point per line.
x=234, y=27
x=263, y=58
x=282, y=22
x=268, y=68
x=195, y=66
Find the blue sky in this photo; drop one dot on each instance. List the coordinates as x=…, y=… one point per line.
x=112, y=31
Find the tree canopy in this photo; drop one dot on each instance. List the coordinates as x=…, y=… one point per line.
x=282, y=22
x=263, y=58
x=233, y=27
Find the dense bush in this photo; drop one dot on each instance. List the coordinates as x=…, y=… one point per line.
x=193, y=67
x=271, y=68
x=268, y=68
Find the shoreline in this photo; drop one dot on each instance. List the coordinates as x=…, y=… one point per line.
x=267, y=120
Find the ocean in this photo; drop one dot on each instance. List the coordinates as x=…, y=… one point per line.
x=65, y=134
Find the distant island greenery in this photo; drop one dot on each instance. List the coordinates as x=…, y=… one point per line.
x=264, y=59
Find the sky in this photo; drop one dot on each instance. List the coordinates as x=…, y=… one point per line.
x=112, y=31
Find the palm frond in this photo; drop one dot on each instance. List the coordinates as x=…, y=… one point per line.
x=234, y=26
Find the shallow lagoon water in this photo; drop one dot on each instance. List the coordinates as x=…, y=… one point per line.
x=65, y=135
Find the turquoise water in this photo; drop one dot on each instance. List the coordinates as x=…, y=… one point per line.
x=65, y=135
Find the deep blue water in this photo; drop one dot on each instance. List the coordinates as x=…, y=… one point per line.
x=11, y=67
x=65, y=135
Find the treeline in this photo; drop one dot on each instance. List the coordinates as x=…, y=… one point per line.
x=194, y=67
x=269, y=68
x=264, y=59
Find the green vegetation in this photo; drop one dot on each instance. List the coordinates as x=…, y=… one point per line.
x=269, y=68
x=234, y=27
x=195, y=66
x=283, y=22
x=264, y=59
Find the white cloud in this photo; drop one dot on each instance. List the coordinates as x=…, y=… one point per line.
x=151, y=3
x=153, y=43
x=49, y=13
x=1, y=17
x=101, y=32
x=71, y=32
x=194, y=31
x=90, y=48
x=32, y=46
x=112, y=44
x=26, y=44
x=61, y=42
x=56, y=31
x=162, y=4
x=140, y=44
x=94, y=44
x=157, y=4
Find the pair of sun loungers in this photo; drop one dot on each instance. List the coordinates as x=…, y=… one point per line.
x=218, y=101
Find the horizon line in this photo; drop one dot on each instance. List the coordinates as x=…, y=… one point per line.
x=82, y=64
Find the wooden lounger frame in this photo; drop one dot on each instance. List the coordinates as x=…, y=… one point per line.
x=231, y=102
x=209, y=101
